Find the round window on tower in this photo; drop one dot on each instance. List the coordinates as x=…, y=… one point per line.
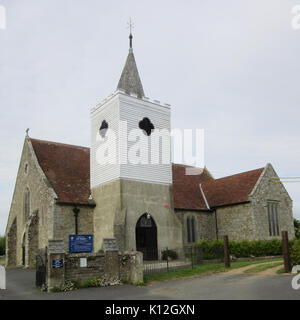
x=147, y=126
x=103, y=128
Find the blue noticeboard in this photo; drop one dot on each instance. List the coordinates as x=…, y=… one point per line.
x=81, y=243
x=57, y=263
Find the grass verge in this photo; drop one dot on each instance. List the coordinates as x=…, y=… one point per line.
x=2, y=260
x=263, y=267
x=201, y=269
x=280, y=271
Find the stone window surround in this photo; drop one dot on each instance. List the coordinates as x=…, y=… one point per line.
x=191, y=229
x=26, y=211
x=275, y=217
x=42, y=216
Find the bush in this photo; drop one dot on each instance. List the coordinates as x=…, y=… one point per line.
x=297, y=228
x=2, y=246
x=212, y=249
x=295, y=253
x=171, y=254
x=241, y=249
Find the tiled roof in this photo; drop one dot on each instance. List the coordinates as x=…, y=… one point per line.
x=67, y=169
x=186, y=189
x=231, y=190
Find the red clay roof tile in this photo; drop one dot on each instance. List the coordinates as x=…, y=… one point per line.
x=67, y=168
x=231, y=190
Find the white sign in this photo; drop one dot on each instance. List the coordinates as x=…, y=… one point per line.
x=83, y=262
x=2, y=278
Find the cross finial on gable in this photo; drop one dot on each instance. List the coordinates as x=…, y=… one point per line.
x=27, y=130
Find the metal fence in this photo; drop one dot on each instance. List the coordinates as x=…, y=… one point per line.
x=171, y=259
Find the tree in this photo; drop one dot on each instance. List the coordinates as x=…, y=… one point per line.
x=297, y=228
x=2, y=246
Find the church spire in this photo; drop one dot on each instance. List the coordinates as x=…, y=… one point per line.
x=130, y=80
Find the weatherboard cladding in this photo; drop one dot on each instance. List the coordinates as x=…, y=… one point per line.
x=129, y=110
x=67, y=168
x=133, y=110
x=109, y=112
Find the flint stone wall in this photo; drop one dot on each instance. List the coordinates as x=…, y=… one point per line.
x=110, y=266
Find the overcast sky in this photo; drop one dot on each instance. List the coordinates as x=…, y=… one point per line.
x=231, y=67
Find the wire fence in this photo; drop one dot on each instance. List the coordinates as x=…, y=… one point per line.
x=171, y=259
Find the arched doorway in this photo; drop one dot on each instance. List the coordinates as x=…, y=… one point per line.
x=146, y=237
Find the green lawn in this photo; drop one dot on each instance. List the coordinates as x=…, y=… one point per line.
x=202, y=269
x=263, y=267
x=2, y=260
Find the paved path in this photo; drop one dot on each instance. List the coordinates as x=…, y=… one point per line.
x=20, y=285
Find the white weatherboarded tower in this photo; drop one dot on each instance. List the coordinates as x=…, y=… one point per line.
x=131, y=170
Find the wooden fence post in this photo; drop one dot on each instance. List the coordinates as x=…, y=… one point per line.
x=286, y=252
x=226, y=252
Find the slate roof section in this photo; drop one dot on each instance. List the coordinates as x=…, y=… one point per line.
x=67, y=169
x=130, y=81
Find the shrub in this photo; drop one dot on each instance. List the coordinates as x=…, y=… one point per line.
x=297, y=228
x=171, y=254
x=241, y=249
x=295, y=253
x=212, y=249
x=2, y=246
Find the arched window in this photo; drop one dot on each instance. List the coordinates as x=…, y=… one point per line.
x=26, y=204
x=190, y=226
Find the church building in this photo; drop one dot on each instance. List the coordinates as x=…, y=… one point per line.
x=64, y=190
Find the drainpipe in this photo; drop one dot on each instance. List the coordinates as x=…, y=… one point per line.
x=76, y=211
x=217, y=230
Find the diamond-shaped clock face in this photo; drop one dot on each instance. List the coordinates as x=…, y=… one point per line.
x=103, y=128
x=147, y=126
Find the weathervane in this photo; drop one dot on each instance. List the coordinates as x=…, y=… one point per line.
x=130, y=25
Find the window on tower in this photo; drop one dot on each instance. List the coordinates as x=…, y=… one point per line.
x=147, y=126
x=103, y=128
